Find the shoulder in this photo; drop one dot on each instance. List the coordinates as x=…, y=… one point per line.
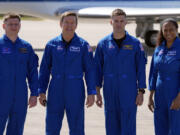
x=25, y=44
x=53, y=42
x=2, y=41
x=82, y=41
x=104, y=40
x=133, y=39
x=177, y=41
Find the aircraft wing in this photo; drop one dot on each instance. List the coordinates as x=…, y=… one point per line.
x=131, y=12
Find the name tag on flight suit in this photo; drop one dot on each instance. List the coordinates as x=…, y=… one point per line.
x=23, y=50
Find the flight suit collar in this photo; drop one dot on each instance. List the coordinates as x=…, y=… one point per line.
x=123, y=42
x=173, y=45
x=7, y=39
x=74, y=38
x=126, y=35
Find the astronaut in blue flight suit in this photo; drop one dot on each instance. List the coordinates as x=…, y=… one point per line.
x=18, y=62
x=67, y=58
x=120, y=63
x=164, y=80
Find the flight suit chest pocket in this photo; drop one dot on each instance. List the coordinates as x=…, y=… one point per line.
x=126, y=54
x=110, y=51
x=23, y=55
x=23, y=58
x=58, y=52
x=74, y=53
x=172, y=57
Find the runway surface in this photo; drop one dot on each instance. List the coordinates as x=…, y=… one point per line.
x=38, y=33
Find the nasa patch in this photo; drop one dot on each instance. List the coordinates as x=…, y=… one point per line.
x=74, y=49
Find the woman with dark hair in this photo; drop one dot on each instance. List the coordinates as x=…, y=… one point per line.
x=164, y=80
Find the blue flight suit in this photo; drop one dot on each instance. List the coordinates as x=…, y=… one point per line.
x=164, y=78
x=123, y=72
x=18, y=62
x=67, y=66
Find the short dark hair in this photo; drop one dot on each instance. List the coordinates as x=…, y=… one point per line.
x=118, y=12
x=11, y=16
x=65, y=14
x=160, y=37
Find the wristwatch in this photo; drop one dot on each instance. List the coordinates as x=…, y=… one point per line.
x=142, y=90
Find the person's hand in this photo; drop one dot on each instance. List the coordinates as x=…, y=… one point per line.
x=99, y=102
x=32, y=101
x=151, y=104
x=90, y=101
x=176, y=103
x=42, y=99
x=139, y=99
x=151, y=101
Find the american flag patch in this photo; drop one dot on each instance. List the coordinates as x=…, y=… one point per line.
x=90, y=49
x=140, y=45
x=111, y=46
x=161, y=52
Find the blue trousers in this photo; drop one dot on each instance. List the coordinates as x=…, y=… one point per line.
x=15, y=125
x=120, y=122
x=167, y=122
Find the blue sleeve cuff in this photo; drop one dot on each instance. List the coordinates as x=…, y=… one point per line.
x=34, y=94
x=99, y=85
x=92, y=92
x=142, y=86
x=41, y=91
x=152, y=88
x=179, y=89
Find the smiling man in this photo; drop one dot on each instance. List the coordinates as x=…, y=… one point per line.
x=67, y=58
x=18, y=62
x=120, y=64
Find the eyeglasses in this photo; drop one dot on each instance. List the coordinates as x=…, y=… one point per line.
x=13, y=24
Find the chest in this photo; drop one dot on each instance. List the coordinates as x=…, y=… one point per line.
x=112, y=51
x=167, y=60
x=71, y=52
x=11, y=54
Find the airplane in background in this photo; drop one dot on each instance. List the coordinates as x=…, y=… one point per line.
x=143, y=12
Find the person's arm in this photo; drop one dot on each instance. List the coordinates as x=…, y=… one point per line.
x=99, y=101
x=152, y=75
x=141, y=74
x=88, y=67
x=99, y=74
x=151, y=101
x=32, y=77
x=44, y=74
x=152, y=84
x=175, y=105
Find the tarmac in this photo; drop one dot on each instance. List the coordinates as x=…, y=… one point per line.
x=38, y=33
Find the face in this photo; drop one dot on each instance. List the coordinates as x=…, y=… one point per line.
x=12, y=26
x=118, y=23
x=68, y=25
x=169, y=31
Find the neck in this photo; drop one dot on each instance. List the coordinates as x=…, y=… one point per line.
x=119, y=35
x=169, y=43
x=12, y=37
x=67, y=37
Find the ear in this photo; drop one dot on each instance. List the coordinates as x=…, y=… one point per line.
x=111, y=21
x=126, y=21
x=60, y=24
x=3, y=25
